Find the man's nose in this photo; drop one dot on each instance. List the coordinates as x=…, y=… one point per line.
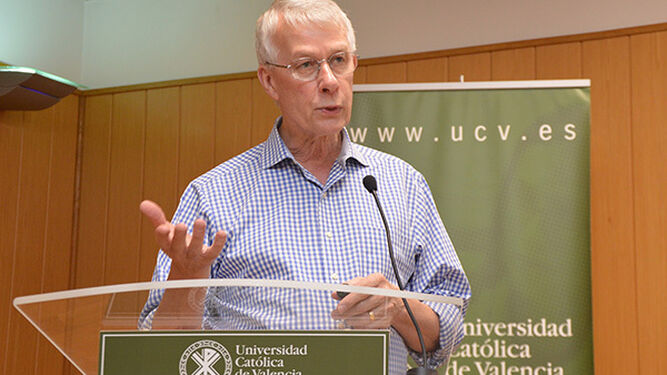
x=327, y=78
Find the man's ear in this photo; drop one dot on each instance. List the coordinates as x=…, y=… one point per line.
x=266, y=79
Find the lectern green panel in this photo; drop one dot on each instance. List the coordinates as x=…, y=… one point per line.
x=349, y=352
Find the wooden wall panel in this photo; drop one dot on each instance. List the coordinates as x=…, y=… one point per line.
x=649, y=138
x=387, y=73
x=233, y=110
x=431, y=70
x=474, y=67
x=607, y=63
x=93, y=205
x=197, y=132
x=62, y=162
x=11, y=147
x=264, y=113
x=121, y=264
x=57, y=249
x=161, y=155
x=558, y=61
x=513, y=64
x=37, y=153
x=360, y=75
x=31, y=227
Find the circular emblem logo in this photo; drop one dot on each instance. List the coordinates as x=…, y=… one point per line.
x=205, y=357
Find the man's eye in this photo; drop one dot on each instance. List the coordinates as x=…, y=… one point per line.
x=339, y=59
x=305, y=65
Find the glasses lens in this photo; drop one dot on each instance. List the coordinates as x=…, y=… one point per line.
x=341, y=63
x=305, y=69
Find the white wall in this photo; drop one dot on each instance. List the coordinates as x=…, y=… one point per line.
x=391, y=27
x=136, y=41
x=103, y=43
x=43, y=34
x=133, y=41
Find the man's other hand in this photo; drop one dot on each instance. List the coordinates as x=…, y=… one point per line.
x=368, y=311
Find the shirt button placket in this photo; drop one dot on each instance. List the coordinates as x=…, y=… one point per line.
x=328, y=233
x=327, y=236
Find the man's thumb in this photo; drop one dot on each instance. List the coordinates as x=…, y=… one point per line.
x=153, y=212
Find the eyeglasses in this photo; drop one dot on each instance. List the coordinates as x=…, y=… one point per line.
x=306, y=69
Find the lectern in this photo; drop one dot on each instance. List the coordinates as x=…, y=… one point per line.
x=97, y=330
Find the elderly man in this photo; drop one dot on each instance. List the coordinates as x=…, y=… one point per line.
x=294, y=207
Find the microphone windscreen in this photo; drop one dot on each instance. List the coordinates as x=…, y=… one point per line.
x=370, y=184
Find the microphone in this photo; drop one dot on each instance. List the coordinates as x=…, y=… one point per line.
x=371, y=185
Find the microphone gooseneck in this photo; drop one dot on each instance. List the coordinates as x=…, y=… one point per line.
x=371, y=185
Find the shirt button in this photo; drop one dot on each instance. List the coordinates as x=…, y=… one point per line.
x=329, y=235
x=334, y=276
x=324, y=194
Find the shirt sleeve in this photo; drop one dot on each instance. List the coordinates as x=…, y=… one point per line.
x=190, y=208
x=439, y=272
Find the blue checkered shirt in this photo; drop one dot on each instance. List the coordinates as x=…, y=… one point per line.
x=282, y=223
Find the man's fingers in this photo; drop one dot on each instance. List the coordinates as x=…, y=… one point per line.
x=163, y=235
x=215, y=249
x=353, y=299
x=358, y=303
x=361, y=304
x=197, y=241
x=153, y=212
x=164, y=230
x=178, y=244
x=375, y=280
x=190, y=258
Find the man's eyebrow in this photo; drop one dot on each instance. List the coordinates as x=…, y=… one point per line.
x=307, y=55
x=304, y=57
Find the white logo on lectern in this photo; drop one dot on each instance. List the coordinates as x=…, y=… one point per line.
x=206, y=354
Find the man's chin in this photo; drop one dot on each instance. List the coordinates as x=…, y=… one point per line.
x=331, y=127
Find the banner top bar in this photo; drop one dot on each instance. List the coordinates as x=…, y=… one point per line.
x=481, y=85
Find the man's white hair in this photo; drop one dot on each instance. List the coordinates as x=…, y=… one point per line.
x=297, y=13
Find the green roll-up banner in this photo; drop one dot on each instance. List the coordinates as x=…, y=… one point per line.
x=508, y=165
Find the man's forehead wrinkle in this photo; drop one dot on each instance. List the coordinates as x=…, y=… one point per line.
x=297, y=23
x=302, y=53
x=312, y=51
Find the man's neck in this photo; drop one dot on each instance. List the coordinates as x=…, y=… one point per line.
x=317, y=155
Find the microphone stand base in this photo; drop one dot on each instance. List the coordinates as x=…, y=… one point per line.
x=422, y=371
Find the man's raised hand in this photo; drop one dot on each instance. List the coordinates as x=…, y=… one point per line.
x=190, y=258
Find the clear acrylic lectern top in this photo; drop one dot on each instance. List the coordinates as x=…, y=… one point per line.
x=72, y=320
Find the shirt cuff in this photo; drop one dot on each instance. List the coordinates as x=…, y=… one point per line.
x=451, y=333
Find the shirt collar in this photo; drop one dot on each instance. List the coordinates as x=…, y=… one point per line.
x=275, y=150
x=350, y=151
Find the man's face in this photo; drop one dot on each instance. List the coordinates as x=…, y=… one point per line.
x=314, y=108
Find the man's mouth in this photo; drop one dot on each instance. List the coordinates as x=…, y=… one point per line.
x=330, y=108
